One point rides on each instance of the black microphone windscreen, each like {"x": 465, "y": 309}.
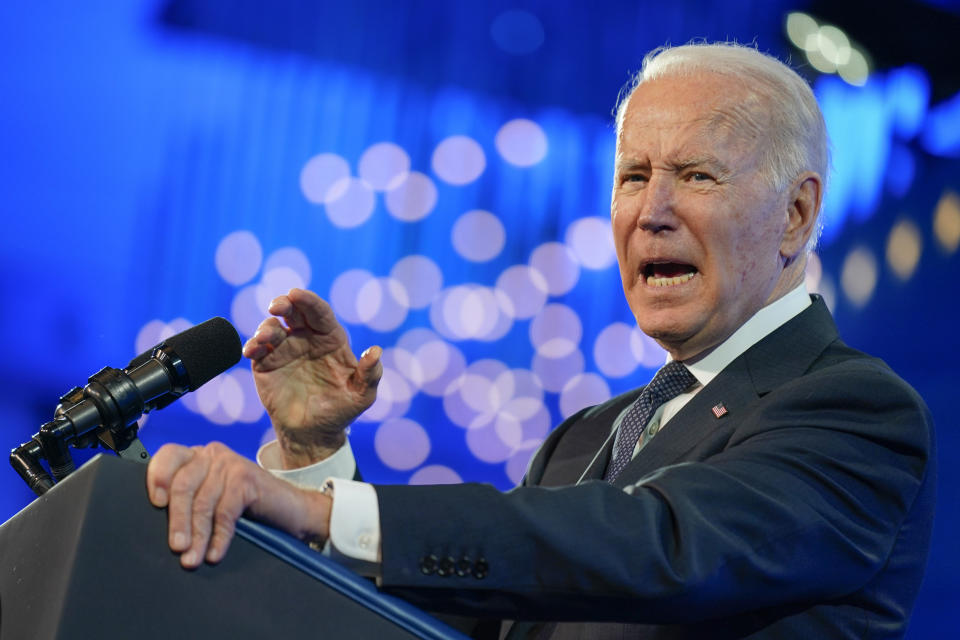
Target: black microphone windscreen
{"x": 207, "y": 350}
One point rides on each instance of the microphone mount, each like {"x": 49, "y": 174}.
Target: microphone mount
{"x": 103, "y": 413}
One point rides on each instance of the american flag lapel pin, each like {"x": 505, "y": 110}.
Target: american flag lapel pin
{"x": 719, "y": 410}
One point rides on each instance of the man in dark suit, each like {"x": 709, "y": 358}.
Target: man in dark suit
{"x": 769, "y": 482}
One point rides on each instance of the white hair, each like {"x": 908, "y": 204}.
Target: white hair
{"x": 796, "y": 132}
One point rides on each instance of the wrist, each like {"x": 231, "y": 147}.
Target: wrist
{"x": 316, "y": 529}
{"x": 298, "y": 448}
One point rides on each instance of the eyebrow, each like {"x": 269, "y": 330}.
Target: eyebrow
{"x": 700, "y": 161}
{"x": 706, "y": 160}
{"x": 631, "y": 165}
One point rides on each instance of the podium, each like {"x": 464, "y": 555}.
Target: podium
{"x": 89, "y": 559}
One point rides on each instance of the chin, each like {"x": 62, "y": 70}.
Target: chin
{"x": 665, "y": 333}
{"x": 668, "y": 326}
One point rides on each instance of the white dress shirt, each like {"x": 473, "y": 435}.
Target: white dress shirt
{"x": 355, "y": 515}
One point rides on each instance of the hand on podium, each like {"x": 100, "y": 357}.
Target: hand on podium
{"x": 206, "y": 490}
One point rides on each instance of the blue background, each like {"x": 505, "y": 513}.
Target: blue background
{"x": 137, "y": 136}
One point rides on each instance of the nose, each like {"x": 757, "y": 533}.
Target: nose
{"x": 657, "y": 213}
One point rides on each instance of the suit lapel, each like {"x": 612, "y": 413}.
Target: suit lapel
{"x": 576, "y": 449}
{"x": 598, "y": 465}
{"x": 694, "y": 422}
{"x": 780, "y": 357}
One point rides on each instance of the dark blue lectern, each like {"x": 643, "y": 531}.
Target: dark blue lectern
{"x": 89, "y": 559}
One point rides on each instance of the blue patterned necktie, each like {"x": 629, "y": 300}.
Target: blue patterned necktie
{"x": 672, "y": 380}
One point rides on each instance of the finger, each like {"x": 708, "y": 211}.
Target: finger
{"x": 310, "y": 311}
{"x": 268, "y": 336}
{"x": 183, "y": 488}
{"x": 205, "y": 503}
{"x": 369, "y": 367}
{"x": 162, "y": 468}
{"x": 280, "y": 306}
{"x": 292, "y": 314}
{"x": 229, "y": 509}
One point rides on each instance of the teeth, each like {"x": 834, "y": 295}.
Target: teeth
{"x": 653, "y": 281}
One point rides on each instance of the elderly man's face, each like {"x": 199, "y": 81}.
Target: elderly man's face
{"x": 698, "y": 230}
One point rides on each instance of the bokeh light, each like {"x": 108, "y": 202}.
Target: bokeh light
{"x": 946, "y": 222}
{"x": 556, "y": 331}
{"x": 246, "y": 314}
{"x": 904, "y": 246}
{"x": 151, "y": 334}
{"x": 468, "y": 312}
{"x": 420, "y": 276}
{"x": 554, "y": 373}
{"x": 393, "y": 398}
{"x": 516, "y": 466}
{"x": 858, "y": 277}
{"x": 558, "y": 265}
{"x": 478, "y": 236}
{"x": 458, "y": 160}
{"x": 813, "y": 272}
{"x": 646, "y": 350}
{"x": 382, "y": 304}
{"x": 583, "y": 391}
{"x": 238, "y": 257}
{"x": 292, "y": 258}
{"x": 434, "y": 362}
{"x": 471, "y": 400}
{"x": 228, "y": 399}
{"x": 411, "y": 197}
{"x": 800, "y": 29}
{"x": 856, "y": 70}
{"x": 525, "y": 288}
{"x": 435, "y": 474}
{"x": 343, "y": 294}
{"x": 612, "y": 350}
{"x": 320, "y": 173}
{"x": 591, "y": 240}
{"x": 521, "y": 142}
{"x": 401, "y": 444}
{"x": 350, "y": 202}
{"x": 828, "y": 49}
{"x": 382, "y": 163}
{"x": 276, "y": 282}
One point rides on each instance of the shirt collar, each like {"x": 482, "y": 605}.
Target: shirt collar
{"x": 759, "y": 326}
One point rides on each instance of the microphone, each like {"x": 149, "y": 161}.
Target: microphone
{"x": 206, "y": 350}
{"x": 114, "y": 399}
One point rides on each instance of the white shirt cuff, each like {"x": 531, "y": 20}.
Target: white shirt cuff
{"x": 341, "y": 464}
{"x": 355, "y": 511}
{"x": 355, "y": 525}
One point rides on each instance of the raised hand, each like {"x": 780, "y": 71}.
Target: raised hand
{"x": 308, "y": 379}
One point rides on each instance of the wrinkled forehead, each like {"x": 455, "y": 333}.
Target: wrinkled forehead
{"x": 700, "y": 110}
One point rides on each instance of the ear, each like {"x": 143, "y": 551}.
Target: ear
{"x": 803, "y": 207}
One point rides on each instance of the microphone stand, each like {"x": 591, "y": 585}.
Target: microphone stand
{"x": 109, "y": 393}
{"x": 105, "y": 412}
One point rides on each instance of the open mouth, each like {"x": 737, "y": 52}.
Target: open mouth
{"x": 667, "y": 274}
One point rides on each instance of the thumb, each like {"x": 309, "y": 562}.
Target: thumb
{"x": 369, "y": 367}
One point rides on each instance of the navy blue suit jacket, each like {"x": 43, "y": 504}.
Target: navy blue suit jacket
{"x": 804, "y": 511}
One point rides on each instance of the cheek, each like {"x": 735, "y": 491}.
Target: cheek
{"x": 734, "y": 259}
{"x": 755, "y": 258}
{"x": 621, "y": 229}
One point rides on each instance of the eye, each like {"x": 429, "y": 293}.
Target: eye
{"x": 699, "y": 176}
{"x": 634, "y": 177}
